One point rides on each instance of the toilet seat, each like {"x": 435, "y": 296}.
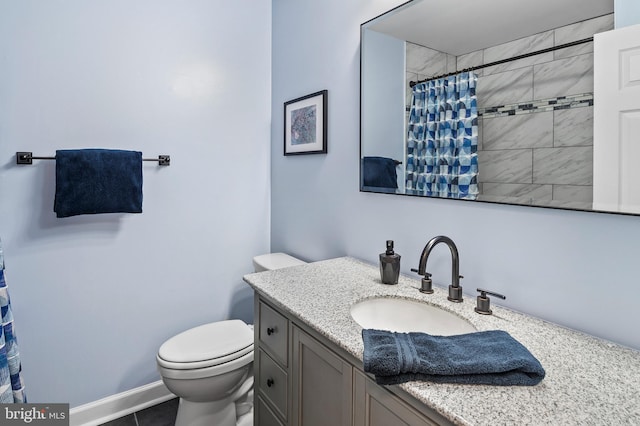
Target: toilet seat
{"x": 201, "y": 373}
{"x": 207, "y": 350}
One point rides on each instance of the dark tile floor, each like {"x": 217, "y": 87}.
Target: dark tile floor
{"x": 159, "y": 415}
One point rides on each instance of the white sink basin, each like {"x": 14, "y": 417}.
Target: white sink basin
{"x": 402, "y": 315}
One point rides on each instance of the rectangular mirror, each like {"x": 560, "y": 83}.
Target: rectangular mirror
{"x": 490, "y": 101}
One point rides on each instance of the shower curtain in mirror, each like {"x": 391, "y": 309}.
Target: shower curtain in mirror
{"x": 11, "y": 385}
{"x": 442, "y": 140}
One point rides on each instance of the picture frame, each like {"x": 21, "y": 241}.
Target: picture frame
{"x": 305, "y": 124}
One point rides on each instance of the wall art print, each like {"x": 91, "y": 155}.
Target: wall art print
{"x": 305, "y": 124}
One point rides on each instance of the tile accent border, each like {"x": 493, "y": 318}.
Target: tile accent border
{"x": 542, "y": 105}
{"x": 119, "y": 405}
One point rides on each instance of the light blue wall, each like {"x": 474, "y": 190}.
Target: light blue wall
{"x": 627, "y": 12}
{"x": 95, "y": 296}
{"x": 574, "y": 268}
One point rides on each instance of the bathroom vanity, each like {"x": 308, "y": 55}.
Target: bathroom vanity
{"x": 308, "y": 360}
{"x": 302, "y": 379}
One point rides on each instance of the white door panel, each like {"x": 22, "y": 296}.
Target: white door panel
{"x": 616, "y": 144}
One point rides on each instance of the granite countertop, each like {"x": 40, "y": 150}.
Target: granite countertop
{"x": 589, "y": 381}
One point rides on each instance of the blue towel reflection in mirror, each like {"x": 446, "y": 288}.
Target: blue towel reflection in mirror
{"x": 92, "y": 181}
{"x": 380, "y": 172}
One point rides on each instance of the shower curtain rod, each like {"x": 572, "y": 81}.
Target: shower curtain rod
{"x": 504, "y": 61}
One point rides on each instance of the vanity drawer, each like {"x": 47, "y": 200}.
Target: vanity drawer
{"x": 266, "y": 417}
{"x": 274, "y": 333}
{"x": 272, "y": 383}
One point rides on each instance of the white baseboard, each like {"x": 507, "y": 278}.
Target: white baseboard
{"x": 119, "y": 405}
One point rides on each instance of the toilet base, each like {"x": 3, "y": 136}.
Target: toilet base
{"x": 220, "y": 413}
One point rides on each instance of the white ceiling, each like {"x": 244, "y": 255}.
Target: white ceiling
{"x": 463, "y": 26}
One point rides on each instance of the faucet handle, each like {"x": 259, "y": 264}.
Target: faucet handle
{"x": 426, "y": 274}
{"x": 484, "y": 303}
{"x": 427, "y": 284}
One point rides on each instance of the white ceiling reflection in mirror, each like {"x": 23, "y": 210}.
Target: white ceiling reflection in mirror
{"x": 470, "y": 26}
{"x": 534, "y": 116}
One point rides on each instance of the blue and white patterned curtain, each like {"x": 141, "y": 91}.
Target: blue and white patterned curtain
{"x": 442, "y": 142}
{"x": 11, "y": 385}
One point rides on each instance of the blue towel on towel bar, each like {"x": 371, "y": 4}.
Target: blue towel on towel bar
{"x": 91, "y": 181}
{"x": 379, "y": 172}
{"x": 485, "y": 358}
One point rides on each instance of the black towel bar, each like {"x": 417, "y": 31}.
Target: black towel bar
{"x": 28, "y": 157}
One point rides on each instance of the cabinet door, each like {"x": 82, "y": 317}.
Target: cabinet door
{"x": 374, "y": 406}
{"x": 322, "y": 384}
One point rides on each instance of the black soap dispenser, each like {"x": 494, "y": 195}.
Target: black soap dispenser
{"x": 389, "y": 265}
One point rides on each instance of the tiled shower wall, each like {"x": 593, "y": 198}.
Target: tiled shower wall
{"x": 536, "y": 127}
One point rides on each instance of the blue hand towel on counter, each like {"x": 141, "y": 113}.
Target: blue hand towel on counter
{"x": 91, "y": 181}
{"x": 485, "y": 358}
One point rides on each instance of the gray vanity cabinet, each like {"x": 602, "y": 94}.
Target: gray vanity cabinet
{"x": 303, "y": 380}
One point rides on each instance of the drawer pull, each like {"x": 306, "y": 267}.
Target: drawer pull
{"x": 270, "y": 382}
{"x": 270, "y": 331}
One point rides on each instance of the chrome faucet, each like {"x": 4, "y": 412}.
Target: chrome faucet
{"x": 455, "y": 290}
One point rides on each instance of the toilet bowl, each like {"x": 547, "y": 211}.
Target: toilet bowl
{"x": 210, "y": 367}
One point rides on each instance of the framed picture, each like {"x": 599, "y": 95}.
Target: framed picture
{"x": 305, "y": 125}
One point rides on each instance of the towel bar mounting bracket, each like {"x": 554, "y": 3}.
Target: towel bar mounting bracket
{"x": 24, "y": 158}
{"x": 27, "y": 158}
{"x": 164, "y": 160}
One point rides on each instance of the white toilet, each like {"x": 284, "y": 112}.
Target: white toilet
{"x": 210, "y": 367}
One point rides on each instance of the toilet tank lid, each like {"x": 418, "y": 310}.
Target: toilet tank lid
{"x": 208, "y": 341}
{"x": 272, "y": 261}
